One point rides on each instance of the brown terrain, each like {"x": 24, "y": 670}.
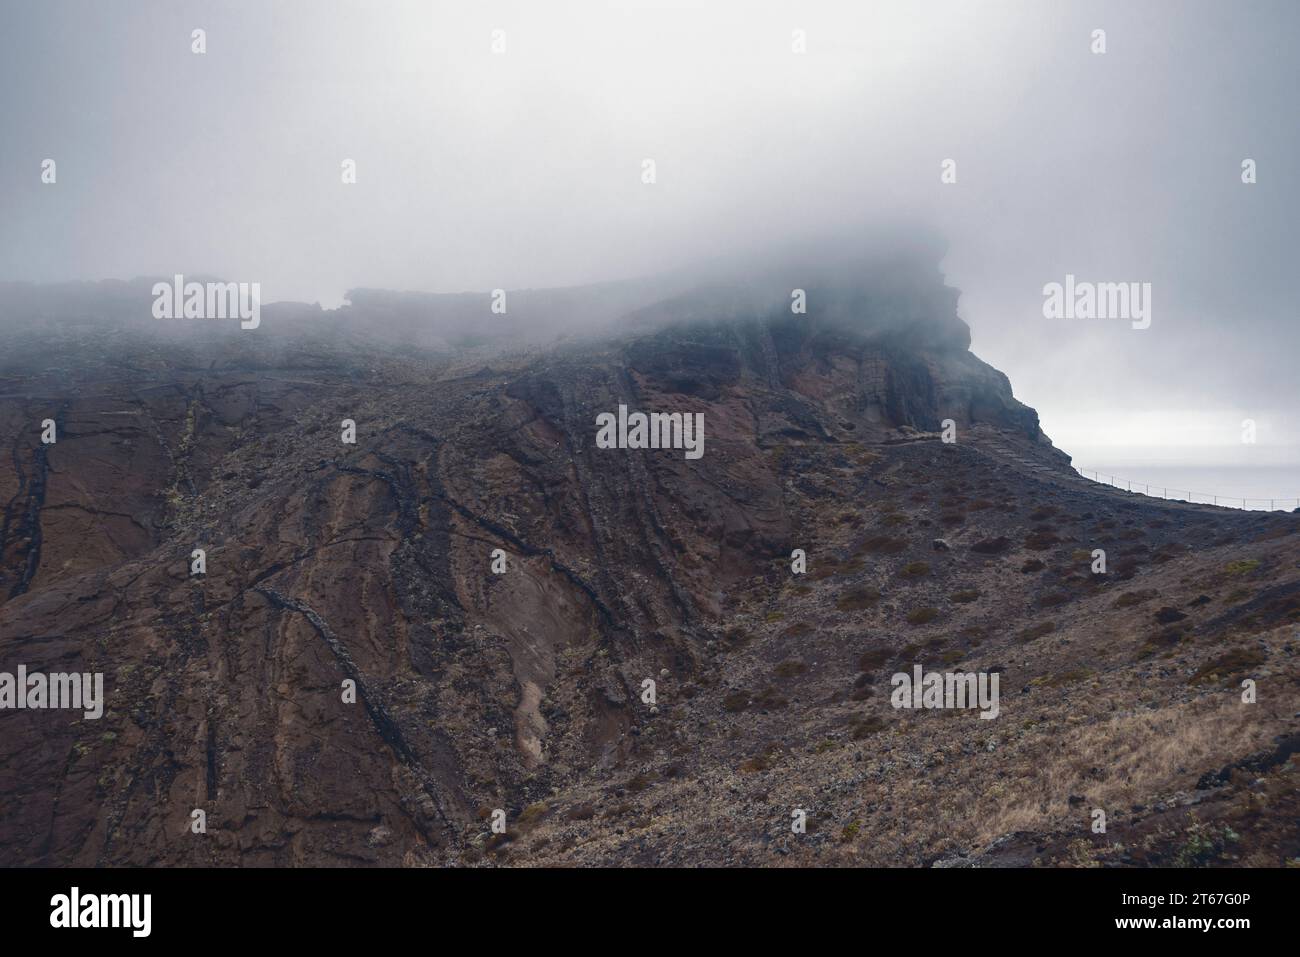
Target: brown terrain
{"x": 522, "y": 691}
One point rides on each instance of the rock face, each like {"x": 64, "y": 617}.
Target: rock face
{"x": 496, "y": 589}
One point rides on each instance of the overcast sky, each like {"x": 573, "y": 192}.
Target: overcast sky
{"x": 478, "y": 169}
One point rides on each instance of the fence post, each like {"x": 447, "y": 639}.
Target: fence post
{"x": 1164, "y": 492}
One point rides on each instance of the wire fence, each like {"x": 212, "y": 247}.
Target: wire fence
{"x": 1187, "y": 495}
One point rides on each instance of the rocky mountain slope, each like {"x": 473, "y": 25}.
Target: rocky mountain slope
{"x": 524, "y": 690}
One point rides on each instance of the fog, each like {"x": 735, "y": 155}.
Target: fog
{"x": 478, "y": 169}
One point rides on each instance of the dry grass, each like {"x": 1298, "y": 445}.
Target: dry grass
{"x": 1025, "y": 785}
{"x": 1138, "y": 754}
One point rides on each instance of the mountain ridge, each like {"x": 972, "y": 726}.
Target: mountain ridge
{"x": 523, "y": 690}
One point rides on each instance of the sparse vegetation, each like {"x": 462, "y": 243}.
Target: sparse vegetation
{"x": 871, "y": 660}
{"x": 736, "y": 701}
{"x": 1131, "y": 598}
{"x": 991, "y": 546}
{"x": 1041, "y": 539}
{"x": 1164, "y": 641}
{"x": 883, "y": 545}
{"x": 1035, "y": 632}
{"x": 532, "y": 815}
{"x": 1204, "y": 843}
{"x": 764, "y": 760}
{"x": 791, "y": 669}
{"x": 858, "y": 598}
{"x": 734, "y": 638}
{"x": 1069, "y": 677}
{"x": 1228, "y": 666}
{"x": 863, "y": 726}
{"x": 1167, "y": 616}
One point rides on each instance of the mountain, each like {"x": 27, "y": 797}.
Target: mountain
{"x": 524, "y": 690}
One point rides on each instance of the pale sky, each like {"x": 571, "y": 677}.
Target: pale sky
{"x": 478, "y": 169}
